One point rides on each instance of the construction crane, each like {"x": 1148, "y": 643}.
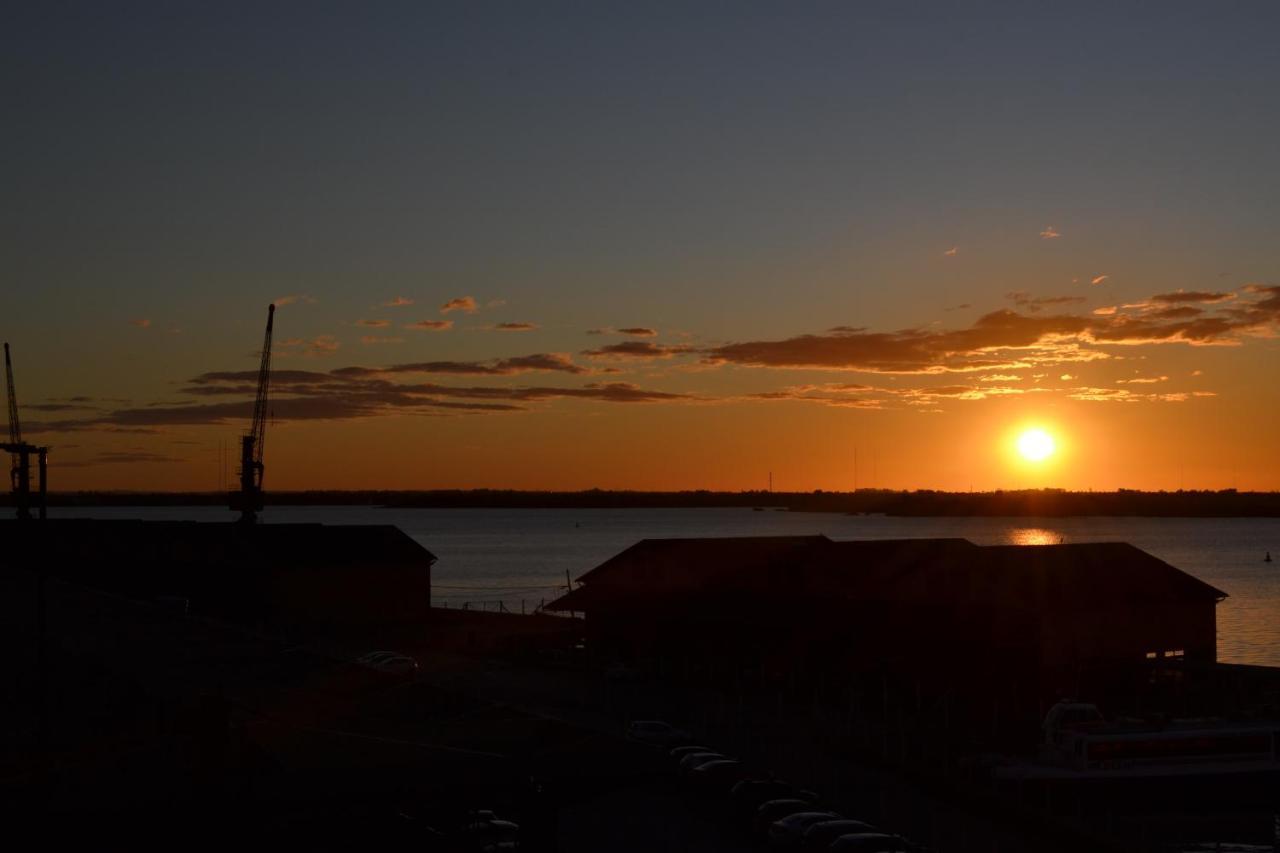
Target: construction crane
{"x": 20, "y": 453}
{"x": 248, "y": 500}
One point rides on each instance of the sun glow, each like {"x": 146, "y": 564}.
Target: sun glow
{"x": 1035, "y": 445}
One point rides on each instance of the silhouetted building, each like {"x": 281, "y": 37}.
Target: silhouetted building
{"x": 804, "y": 608}
{"x": 308, "y": 578}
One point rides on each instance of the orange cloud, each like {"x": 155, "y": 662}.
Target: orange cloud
{"x": 466, "y": 304}
{"x": 1099, "y": 279}
{"x": 1049, "y": 233}
{"x": 398, "y": 302}
{"x": 431, "y": 325}
{"x": 374, "y": 324}
{"x": 515, "y": 327}
{"x": 638, "y": 350}
{"x": 141, "y": 323}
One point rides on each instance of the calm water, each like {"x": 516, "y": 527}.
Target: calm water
{"x": 520, "y": 557}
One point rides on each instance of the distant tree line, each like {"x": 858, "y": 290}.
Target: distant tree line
{"x": 1031, "y": 502}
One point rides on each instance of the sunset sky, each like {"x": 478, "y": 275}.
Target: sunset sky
{"x": 644, "y": 245}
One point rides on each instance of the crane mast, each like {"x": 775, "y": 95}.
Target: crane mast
{"x": 20, "y": 452}
{"x": 249, "y": 499}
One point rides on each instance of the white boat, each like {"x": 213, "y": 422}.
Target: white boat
{"x": 1080, "y": 744}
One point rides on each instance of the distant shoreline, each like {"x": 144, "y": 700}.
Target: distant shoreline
{"x": 925, "y": 503}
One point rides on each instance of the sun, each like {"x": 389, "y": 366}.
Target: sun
{"x": 1035, "y": 445}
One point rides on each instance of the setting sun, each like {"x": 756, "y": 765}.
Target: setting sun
{"x": 1035, "y": 445}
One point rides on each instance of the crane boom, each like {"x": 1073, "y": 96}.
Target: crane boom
{"x": 259, "y": 428}
{"x": 249, "y": 498}
{"x": 15, "y": 428}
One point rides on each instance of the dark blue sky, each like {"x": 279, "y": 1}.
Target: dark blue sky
{"x": 724, "y": 170}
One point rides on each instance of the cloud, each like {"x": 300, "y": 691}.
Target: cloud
{"x": 466, "y": 304}
{"x": 515, "y": 327}
{"x": 1106, "y": 311}
{"x": 548, "y": 362}
{"x": 1038, "y": 303}
{"x": 58, "y": 407}
{"x": 1200, "y": 296}
{"x": 141, "y": 323}
{"x": 1143, "y": 380}
{"x": 909, "y": 351}
{"x": 369, "y": 340}
{"x": 431, "y": 325}
{"x": 282, "y": 301}
{"x": 1099, "y": 279}
{"x": 1000, "y": 377}
{"x": 398, "y": 302}
{"x": 374, "y": 324}
{"x": 1006, "y": 339}
{"x": 604, "y": 330}
{"x": 1124, "y": 395}
{"x": 1049, "y": 233}
{"x": 320, "y": 345}
{"x": 952, "y": 252}
{"x": 638, "y": 350}
{"x": 638, "y": 331}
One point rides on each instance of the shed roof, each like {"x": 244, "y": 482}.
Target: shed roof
{"x": 925, "y": 571}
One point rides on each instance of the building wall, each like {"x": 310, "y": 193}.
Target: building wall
{"x": 1131, "y": 634}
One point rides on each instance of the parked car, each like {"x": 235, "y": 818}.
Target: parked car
{"x": 485, "y": 832}
{"x": 818, "y": 836}
{"x": 693, "y": 759}
{"x": 748, "y": 794}
{"x": 772, "y": 810}
{"x": 396, "y": 665}
{"x": 372, "y": 657}
{"x": 392, "y": 663}
{"x": 787, "y": 833}
{"x": 657, "y": 732}
{"x": 717, "y": 776}
{"x": 679, "y": 752}
{"x": 869, "y": 842}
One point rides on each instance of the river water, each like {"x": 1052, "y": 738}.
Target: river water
{"x": 516, "y": 558}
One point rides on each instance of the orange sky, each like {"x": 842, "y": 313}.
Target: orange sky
{"x": 648, "y": 247}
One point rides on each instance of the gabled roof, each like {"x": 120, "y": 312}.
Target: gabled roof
{"x": 923, "y": 571}
{"x": 177, "y": 543}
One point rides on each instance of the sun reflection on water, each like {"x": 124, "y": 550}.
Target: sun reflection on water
{"x": 1034, "y": 536}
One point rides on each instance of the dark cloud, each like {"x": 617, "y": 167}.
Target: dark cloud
{"x": 638, "y": 350}
{"x": 1008, "y": 339}
{"x": 1025, "y": 300}
{"x": 638, "y": 331}
{"x": 431, "y": 325}
{"x": 550, "y": 362}
{"x": 1205, "y": 297}
{"x": 515, "y": 327}
{"x": 58, "y": 407}
{"x": 374, "y": 324}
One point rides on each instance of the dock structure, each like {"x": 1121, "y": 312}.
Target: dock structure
{"x": 805, "y": 609}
